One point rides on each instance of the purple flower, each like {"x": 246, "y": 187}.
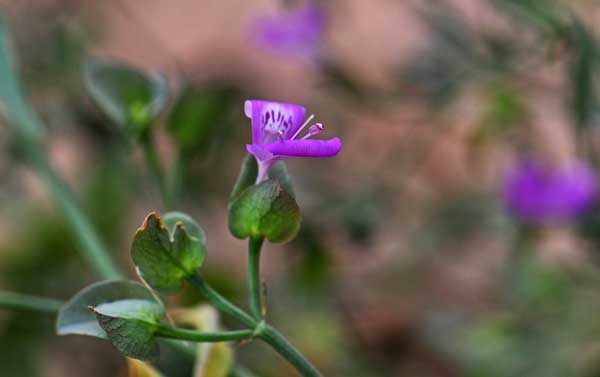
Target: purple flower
{"x": 540, "y": 193}
{"x": 276, "y": 129}
{"x": 296, "y": 32}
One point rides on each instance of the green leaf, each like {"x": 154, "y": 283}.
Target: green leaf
{"x": 165, "y": 257}
{"x": 129, "y": 97}
{"x": 247, "y": 177}
{"x": 170, "y": 219}
{"x": 130, "y": 326}
{"x": 197, "y": 113}
{"x": 75, "y": 317}
{"x": 264, "y": 210}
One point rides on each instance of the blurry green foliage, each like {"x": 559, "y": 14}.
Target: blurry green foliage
{"x": 197, "y": 113}
{"x": 131, "y": 98}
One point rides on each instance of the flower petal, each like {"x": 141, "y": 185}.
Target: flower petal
{"x": 294, "y": 33}
{"x": 273, "y": 121}
{"x": 304, "y": 148}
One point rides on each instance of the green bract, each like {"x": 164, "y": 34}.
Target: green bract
{"x": 130, "y": 326}
{"x": 165, "y": 257}
{"x": 247, "y": 177}
{"x": 264, "y": 211}
{"x": 75, "y": 317}
{"x": 267, "y": 210}
{"x": 129, "y": 97}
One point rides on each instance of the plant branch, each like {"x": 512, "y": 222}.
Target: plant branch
{"x": 254, "y": 295}
{"x": 221, "y": 302}
{"x": 18, "y": 301}
{"x": 155, "y": 166}
{"x": 288, "y": 351}
{"x": 165, "y": 331}
{"x": 91, "y": 247}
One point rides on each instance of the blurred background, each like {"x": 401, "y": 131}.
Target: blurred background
{"x": 411, "y": 261}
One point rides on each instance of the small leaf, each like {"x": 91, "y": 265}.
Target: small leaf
{"x": 137, "y": 368}
{"x": 129, "y": 97}
{"x": 196, "y": 115}
{"x": 264, "y": 210}
{"x": 213, "y": 359}
{"x": 170, "y": 219}
{"x": 130, "y": 326}
{"x": 247, "y": 177}
{"x": 165, "y": 259}
{"x": 75, "y": 316}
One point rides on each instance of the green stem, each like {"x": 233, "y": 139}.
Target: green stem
{"x": 254, "y": 289}
{"x": 165, "y": 331}
{"x": 18, "y": 301}
{"x": 288, "y": 351}
{"x": 155, "y": 166}
{"x": 260, "y": 329}
{"x": 221, "y": 302}
{"x": 90, "y": 245}
{"x": 179, "y": 174}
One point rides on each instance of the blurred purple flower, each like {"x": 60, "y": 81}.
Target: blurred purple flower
{"x": 296, "y": 32}
{"x": 276, "y": 129}
{"x": 536, "y": 192}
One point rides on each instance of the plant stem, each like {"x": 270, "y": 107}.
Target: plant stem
{"x": 165, "y": 331}
{"x": 221, "y": 302}
{"x": 90, "y": 245}
{"x": 288, "y": 351}
{"x": 17, "y": 301}
{"x": 260, "y": 329}
{"x": 179, "y": 174}
{"x": 155, "y": 167}
{"x": 254, "y": 288}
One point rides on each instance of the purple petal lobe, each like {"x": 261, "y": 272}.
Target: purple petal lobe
{"x": 305, "y": 148}
{"x": 273, "y": 121}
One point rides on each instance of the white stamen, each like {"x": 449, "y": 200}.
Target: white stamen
{"x": 302, "y": 126}
{"x": 316, "y": 128}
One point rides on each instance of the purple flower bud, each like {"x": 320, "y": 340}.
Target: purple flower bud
{"x": 275, "y": 130}
{"x": 297, "y": 32}
{"x": 539, "y": 193}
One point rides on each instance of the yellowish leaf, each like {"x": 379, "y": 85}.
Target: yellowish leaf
{"x": 137, "y": 368}
{"x": 212, "y": 359}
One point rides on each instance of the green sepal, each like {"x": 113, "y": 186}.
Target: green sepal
{"x": 249, "y": 172}
{"x": 280, "y": 173}
{"x": 75, "y": 317}
{"x": 266, "y": 211}
{"x": 165, "y": 257}
{"x": 130, "y": 326}
{"x": 246, "y": 178}
{"x": 130, "y": 98}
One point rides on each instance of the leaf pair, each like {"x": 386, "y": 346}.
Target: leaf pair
{"x": 124, "y": 312}
{"x": 128, "y": 314}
